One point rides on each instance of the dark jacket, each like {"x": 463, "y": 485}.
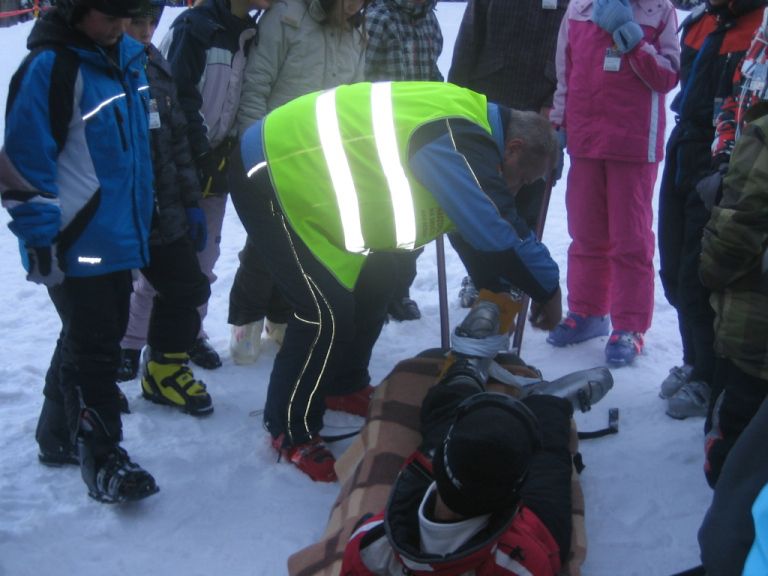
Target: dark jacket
{"x": 176, "y": 183}
{"x": 506, "y": 50}
{"x": 76, "y": 168}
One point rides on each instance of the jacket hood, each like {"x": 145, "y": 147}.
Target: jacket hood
{"x": 401, "y": 523}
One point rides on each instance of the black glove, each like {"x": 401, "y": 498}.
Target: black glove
{"x": 43, "y": 266}
{"x": 710, "y": 188}
{"x": 212, "y": 172}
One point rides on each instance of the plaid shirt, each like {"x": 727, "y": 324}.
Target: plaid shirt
{"x": 404, "y": 41}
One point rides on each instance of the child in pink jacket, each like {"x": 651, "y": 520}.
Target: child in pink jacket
{"x": 616, "y": 60}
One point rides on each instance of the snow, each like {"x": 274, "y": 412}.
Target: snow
{"x": 227, "y": 507}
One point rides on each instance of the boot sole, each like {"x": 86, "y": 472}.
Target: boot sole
{"x": 186, "y": 409}
{"x": 131, "y": 498}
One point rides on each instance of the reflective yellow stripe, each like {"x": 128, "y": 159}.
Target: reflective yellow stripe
{"x": 389, "y": 156}
{"x": 340, "y": 172}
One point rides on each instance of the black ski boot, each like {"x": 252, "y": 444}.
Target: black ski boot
{"x": 129, "y": 364}
{"x": 203, "y": 355}
{"x": 481, "y": 322}
{"x": 106, "y": 468}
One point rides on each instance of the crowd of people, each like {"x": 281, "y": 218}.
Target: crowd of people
{"x": 344, "y": 153}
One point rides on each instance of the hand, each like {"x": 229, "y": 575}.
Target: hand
{"x": 547, "y": 315}
{"x": 212, "y": 172}
{"x": 627, "y": 36}
{"x": 43, "y": 266}
{"x": 198, "y": 228}
{"x": 710, "y": 188}
{"x": 610, "y": 15}
{"x": 562, "y": 141}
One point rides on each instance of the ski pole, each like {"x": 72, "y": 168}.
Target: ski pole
{"x": 442, "y": 292}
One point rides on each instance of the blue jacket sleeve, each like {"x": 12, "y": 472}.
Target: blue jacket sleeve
{"x": 459, "y": 163}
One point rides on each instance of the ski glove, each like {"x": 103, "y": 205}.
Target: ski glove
{"x": 611, "y": 15}
{"x": 710, "y": 188}
{"x": 43, "y": 266}
{"x": 627, "y": 36}
{"x": 547, "y": 315}
{"x": 198, "y": 229}
{"x": 212, "y": 173}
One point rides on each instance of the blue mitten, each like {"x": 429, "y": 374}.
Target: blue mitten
{"x": 43, "y": 266}
{"x": 198, "y": 229}
{"x": 610, "y": 15}
{"x": 627, "y": 36}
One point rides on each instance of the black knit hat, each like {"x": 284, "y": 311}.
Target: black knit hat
{"x": 73, "y": 10}
{"x": 481, "y": 465}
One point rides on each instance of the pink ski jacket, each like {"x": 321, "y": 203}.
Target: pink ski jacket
{"x": 615, "y": 115}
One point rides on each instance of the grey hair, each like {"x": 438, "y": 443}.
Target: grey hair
{"x": 536, "y": 132}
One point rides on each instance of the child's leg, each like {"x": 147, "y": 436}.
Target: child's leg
{"x": 630, "y": 214}
{"x": 214, "y": 208}
{"x": 588, "y": 265}
{"x": 138, "y": 321}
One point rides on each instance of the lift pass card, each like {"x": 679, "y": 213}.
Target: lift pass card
{"x": 549, "y": 4}
{"x": 612, "y": 62}
{"x": 154, "y": 115}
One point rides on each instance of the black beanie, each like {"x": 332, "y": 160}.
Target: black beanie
{"x": 480, "y": 466}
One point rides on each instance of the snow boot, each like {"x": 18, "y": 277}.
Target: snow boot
{"x": 167, "y": 379}
{"x": 583, "y": 388}
{"x": 203, "y": 354}
{"x": 691, "y": 401}
{"x": 623, "y": 347}
{"x": 313, "y": 458}
{"x": 276, "y": 331}
{"x": 129, "y": 364}
{"x": 106, "y": 468}
{"x": 678, "y": 376}
{"x": 468, "y": 293}
{"x": 245, "y": 342}
{"x": 575, "y": 328}
{"x": 404, "y": 309}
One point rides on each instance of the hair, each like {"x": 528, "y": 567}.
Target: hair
{"x": 536, "y": 132}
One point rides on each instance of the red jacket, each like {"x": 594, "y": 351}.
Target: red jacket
{"x": 515, "y": 542}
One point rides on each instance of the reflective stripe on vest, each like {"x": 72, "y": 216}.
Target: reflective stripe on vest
{"x": 338, "y": 162}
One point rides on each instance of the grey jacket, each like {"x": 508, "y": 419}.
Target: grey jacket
{"x": 298, "y": 52}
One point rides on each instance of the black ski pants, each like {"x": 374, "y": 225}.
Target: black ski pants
{"x": 94, "y": 315}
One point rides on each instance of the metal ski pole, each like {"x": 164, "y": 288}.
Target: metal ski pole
{"x": 517, "y": 335}
{"x": 442, "y": 292}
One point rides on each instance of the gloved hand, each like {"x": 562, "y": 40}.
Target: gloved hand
{"x": 611, "y": 15}
{"x": 212, "y": 172}
{"x": 627, "y": 36}
{"x": 710, "y": 188}
{"x": 43, "y": 266}
{"x": 562, "y": 141}
{"x": 198, "y": 228}
{"x": 547, "y": 315}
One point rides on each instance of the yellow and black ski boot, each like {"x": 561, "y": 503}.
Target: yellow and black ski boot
{"x": 167, "y": 379}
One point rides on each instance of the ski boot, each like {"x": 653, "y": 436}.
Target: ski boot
{"x": 129, "y": 364}
{"x": 582, "y": 388}
{"x": 106, "y": 468}
{"x": 203, "y": 354}
{"x": 468, "y": 293}
{"x": 167, "y": 379}
{"x": 469, "y": 345}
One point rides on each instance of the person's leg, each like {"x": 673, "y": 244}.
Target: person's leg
{"x": 547, "y": 491}
{"x": 53, "y": 434}
{"x": 630, "y": 215}
{"x": 214, "y": 208}
{"x": 251, "y": 288}
{"x": 138, "y": 320}
{"x": 589, "y": 274}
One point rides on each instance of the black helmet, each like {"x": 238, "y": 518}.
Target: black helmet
{"x": 73, "y": 10}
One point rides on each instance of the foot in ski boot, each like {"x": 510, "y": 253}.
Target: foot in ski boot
{"x": 106, "y": 468}
{"x": 276, "y": 331}
{"x": 167, "y": 379}
{"x": 481, "y": 322}
{"x": 623, "y": 347}
{"x": 125, "y": 408}
{"x": 355, "y": 403}
{"x": 691, "y": 401}
{"x": 468, "y": 293}
{"x": 313, "y": 458}
{"x": 203, "y": 354}
{"x": 245, "y": 342}
{"x": 583, "y": 389}
{"x": 402, "y": 309}
{"x": 129, "y": 364}
{"x": 575, "y": 328}
{"x": 54, "y": 437}
{"x": 678, "y": 376}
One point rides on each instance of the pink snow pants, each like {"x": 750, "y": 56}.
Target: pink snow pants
{"x": 610, "y": 259}
{"x": 135, "y": 337}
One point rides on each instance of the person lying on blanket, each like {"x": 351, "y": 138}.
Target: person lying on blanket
{"x": 487, "y": 492}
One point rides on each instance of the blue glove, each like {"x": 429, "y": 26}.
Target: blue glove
{"x": 43, "y": 266}
{"x": 627, "y": 36}
{"x": 35, "y": 223}
{"x": 198, "y": 229}
{"x": 610, "y": 15}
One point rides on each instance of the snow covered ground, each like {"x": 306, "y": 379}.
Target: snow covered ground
{"x": 226, "y": 506}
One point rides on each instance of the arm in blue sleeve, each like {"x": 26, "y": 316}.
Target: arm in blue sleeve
{"x": 460, "y": 166}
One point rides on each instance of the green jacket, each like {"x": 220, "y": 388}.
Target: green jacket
{"x": 732, "y": 247}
